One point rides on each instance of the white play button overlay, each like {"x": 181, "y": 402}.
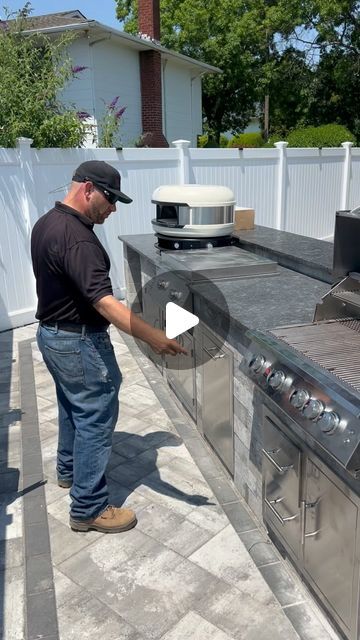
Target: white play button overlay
{"x": 177, "y": 320}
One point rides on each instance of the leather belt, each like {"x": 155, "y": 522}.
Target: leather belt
{"x": 74, "y": 327}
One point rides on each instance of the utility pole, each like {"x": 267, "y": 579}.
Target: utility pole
{"x": 267, "y": 97}
{"x": 266, "y": 117}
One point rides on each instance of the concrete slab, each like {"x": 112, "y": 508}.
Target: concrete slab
{"x": 194, "y": 627}
{"x": 12, "y": 604}
{"x": 150, "y": 586}
{"x": 172, "y": 529}
{"x": 247, "y": 616}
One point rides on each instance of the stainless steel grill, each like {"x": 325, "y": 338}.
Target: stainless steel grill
{"x": 310, "y": 377}
{"x": 349, "y": 296}
{"x": 334, "y": 346}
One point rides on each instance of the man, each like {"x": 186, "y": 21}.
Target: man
{"x": 75, "y": 307}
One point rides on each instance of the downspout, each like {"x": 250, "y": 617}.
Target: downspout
{"x": 92, "y": 64}
{"x": 198, "y": 75}
{"x": 91, "y": 55}
{"x": 164, "y": 117}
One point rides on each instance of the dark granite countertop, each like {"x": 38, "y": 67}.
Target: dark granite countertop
{"x": 144, "y": 244}
{"x": 265, "y": 302}
{"x": 261, "y": 302}
{"x": 309, "y": 256}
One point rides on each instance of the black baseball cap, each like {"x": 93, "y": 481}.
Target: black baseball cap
{"x": 103, "y": 175}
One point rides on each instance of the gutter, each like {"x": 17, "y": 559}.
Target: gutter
{"x": 140, "y": 44}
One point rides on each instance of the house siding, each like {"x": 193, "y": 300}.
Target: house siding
{"x": 113, "y": 70}
{"x": 117, "y": 73}
{"x": 79, "y": 92}
{"x": 181, "y": 100}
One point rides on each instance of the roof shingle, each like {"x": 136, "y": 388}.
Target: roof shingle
{"x": 56, "y": 19}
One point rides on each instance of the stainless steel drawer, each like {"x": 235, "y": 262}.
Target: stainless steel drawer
{"x": 281, "y": 485}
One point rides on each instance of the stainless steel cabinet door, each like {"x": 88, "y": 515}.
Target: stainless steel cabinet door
{"x": 217, "y": 400}
{"x": 281, "y": 485}
{"x": 330, "y": 541}
{"x": 153, "y": 314}
{"x": 181, "y": 373}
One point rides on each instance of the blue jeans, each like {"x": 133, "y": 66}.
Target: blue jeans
{"x": 87, "y": 380}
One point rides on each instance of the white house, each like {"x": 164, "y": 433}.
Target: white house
{"x": 161, "y": 89}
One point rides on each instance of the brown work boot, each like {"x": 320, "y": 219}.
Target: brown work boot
{"x": 112, "y": 520}
{"x": 64, "y": 484}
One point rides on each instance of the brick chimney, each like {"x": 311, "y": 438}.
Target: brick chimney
{"x": 150, "y": 76}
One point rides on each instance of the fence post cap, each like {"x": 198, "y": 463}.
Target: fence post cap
{"x": 347, "y": 145}
{"x": 181, "y": 144}
{"x": 281, "y": 145}
{"x": 24, "y": 142}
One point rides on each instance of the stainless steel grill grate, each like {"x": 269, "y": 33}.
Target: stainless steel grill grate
{"x": 333, "y": 345}
{"x": 349, "y": 296}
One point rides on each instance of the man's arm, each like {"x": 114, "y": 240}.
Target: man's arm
{"x": 125, "y": 320}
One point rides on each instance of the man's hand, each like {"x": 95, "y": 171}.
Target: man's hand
{"x": 161, "y": 344}
{"x": 116, "y": 312}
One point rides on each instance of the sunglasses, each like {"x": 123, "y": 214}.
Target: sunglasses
{"x": 110, "y": 197}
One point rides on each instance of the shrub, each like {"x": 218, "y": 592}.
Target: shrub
{"x": 205, "y": 142}
{"x": 201, "y": 141}
{"x": 110, "y": 124}
{"x": 60, "y": 130}
{"x": 34, "y": 69}
{"x": 247, "y": 140}
{"x": 274, "y": 138}
{"x": 328, "y": 135}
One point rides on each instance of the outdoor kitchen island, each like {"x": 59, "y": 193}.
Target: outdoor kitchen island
{"x": 283, "y": 427}
{"x": 257, "y": 302}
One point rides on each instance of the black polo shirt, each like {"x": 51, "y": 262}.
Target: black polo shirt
{"x": 71, "y": 267}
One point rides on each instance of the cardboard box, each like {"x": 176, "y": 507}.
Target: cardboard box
{"x": 244, "y": 218}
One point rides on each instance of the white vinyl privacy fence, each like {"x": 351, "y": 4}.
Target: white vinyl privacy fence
{"x": 296, "y": 190}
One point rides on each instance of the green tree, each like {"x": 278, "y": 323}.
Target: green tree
{"x": 33, "y": 70}
{"x": 334, "y": 94}
{"x": 290, "y": 89}
{"x": 328, "y": 24}
{"x": 211, "y": 31}
{"x": 298, "y": 59}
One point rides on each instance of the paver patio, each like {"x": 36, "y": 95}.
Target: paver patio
{"x": 196, "y": 567}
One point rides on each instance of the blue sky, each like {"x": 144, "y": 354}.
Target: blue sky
{"x": 103, "y": 11}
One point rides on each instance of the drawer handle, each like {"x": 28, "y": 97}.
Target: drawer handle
{"x": 276, "y": 514}
{"x": 312, "y": 534}
{"x": 217, "y": 357}
{"x": 280, "y": 469}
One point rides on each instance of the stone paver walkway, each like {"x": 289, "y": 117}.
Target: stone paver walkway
{"x": 196, "y": 567}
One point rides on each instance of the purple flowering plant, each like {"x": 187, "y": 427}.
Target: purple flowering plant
{"x": 83, "y": 115}
{"x": 112, "y": 104}
{"x": 77, "y": 69}
{"x": 110, "y": 123}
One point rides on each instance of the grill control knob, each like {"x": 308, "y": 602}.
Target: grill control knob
{"x": 313, "y": 409}
{"x": 329, "y": 421}
{"x": 257, "y": 363}
{"x": 299, "y": 398}
{"x": 276, "y": 379}
{"x": 163, "y": 284}
{"x": 175, "y": 295}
